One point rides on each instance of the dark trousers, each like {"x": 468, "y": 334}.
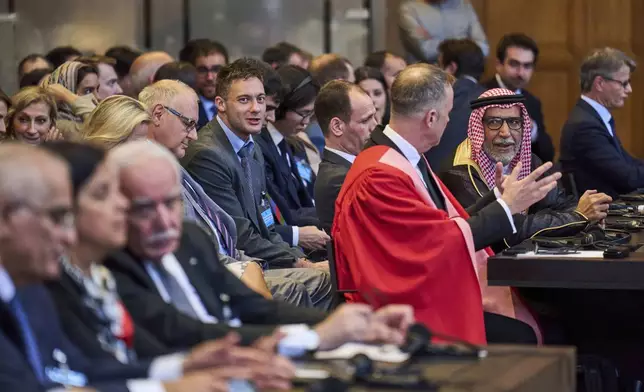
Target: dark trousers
{"x": 504, "y": 330}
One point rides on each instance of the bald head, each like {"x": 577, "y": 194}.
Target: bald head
{"x": 330, "y": 66}
{"x": 145, "y": 66}
{"x": 417, "y": 88}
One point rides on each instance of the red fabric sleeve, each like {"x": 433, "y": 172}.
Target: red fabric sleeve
{"x": 394, "y": 248}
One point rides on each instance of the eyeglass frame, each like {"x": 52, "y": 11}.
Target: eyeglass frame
{"x": 188, "y": 123}
{"x": 304, "y": 116}
{"x": 67, "y": 219}
{"x": 624, "y": 84}
{"x": 504, "y": 120}
{"x": 215, "y": 69}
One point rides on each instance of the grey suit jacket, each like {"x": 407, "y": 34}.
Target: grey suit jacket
{"x": 213, "y": 163}
{"x": 331, "y": 175}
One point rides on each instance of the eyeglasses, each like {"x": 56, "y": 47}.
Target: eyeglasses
{"x": 141, "y": 210}
{"x": 59, "y": 216}
{"x": 495, "y": 123}
{"x": 624, "y": 83}
{"x": 305, "y": 116}
{"x": 189, "y": 123}
{"x": 205, "y": 70}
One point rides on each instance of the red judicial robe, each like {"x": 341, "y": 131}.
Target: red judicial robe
{"x": 393, "y": 245}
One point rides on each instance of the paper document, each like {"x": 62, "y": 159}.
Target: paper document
{"x": 384, "y": 353}
{"x": 585, "y": 254}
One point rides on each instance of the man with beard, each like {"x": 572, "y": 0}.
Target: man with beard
{"x": 517, "y": 56}
{"x": 499, "y": 132}
{"x": 347, "y": 116}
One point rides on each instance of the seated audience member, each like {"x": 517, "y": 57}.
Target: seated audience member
{"x": 499, "y": 132}
{"x": 175, "y": 131}
{"x": 388, "y": 63}
{"x": 144, "y": 68}
{"x": 324, "y": 69}
{"x": 85, "y": 294}
{"x": 208, "y": 57}
{"x": 32, "y": 116}
{"x": 463, "y": 59}
{"x": 74, "y": 86}
{"x": 5, "y": 104}
{"x": 347, "y": 117}
{"x": 590, "y": 147}
{"x": 37, "y": 230}
{"x": 291, "y": 203}
{"x": 31, "y": 63}
{"x": 124, "y": 57}
{"x": 34, "y": 78}
{"x": 108, "y": 80}
{"x": 62, "y": 54}
{"x": 373, "y": 83}
{"x": 116, "y": 120}
{"x": 284, "y": 53}
{"x": 173, "y": 286}
{"x": 398, "y": 230}
{"x": 230, "y": 168}
{"x": 516, "y": 59}
{"x": 178, "y": 70}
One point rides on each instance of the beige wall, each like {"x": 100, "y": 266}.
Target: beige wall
{"x": 565, "y": 30}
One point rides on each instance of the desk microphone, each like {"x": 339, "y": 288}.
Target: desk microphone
{"x": 419, "y": 343}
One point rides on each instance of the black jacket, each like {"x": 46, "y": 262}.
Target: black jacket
{"x": 488, "y": 220}
{"x": 595, "y": 158}
{"x": 197, "y": 254}
{"x": 542, "y": 147}
{"x": 554, "y": 215}
{"x": 81, "y": 325}
{"x": 333, "y": 170}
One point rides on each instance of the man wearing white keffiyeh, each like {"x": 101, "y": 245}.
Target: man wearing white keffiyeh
{"x": 499, "y": 131}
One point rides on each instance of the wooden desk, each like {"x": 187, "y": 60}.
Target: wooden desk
{"x": 508, "y": 368}
{"x": 570, "y": 272}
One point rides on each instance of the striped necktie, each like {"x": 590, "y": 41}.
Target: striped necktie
{"x": 28, "y": 338}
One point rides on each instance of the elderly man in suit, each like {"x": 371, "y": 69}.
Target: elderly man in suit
{"x": 347, "y": 116}
{"x": 168, "y": 281}
{"x": 516, "y": 58}
{"x": 590, "y": 147}
{"x": 230, "y": 168}
{"x": 173, "y": 107}
{"x": 37, "y": 229}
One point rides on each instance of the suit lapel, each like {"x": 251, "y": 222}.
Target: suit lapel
{"x": 585, "y": 106}
{"x": 331, "y": 157}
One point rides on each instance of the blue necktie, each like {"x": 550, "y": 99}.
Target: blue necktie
{"x": 244, "y": 155}
{"x": 28, "y": 338}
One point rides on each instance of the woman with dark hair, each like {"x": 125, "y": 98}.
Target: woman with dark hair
{"x": 373, "y": 83}
{"x": 178, "y": 70}
{"x": 86, "y": 295}
{"x": 74, "y": 86}
{"x": 5, "y": 104}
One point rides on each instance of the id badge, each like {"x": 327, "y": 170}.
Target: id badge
{"x": 306, "y": 173}
{"x": 66, "y": 377}
{"x": 267, "y": 217}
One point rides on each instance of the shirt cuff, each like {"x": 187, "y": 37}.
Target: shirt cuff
{"x": 296, "y": 235}
{"x": 167, "y": 367}
{"x": 298, "y": 341}
{"x": 145, "y": 386}
{"x": 508, "y": 213}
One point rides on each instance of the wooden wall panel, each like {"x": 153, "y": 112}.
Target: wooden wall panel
{"x": 566, "y": 31}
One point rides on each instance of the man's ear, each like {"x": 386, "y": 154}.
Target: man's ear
{"x": 220, "y": 103}
{"x": 431, "y": 116}
{"x": 498, "y": 65}
{"x": 5, "y": 218}
{"x": 157, "y": 112}
{"x": 452, "y": 68}
{"x": 336, "y": 127}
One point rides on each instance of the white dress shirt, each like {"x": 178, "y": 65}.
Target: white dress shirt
{"x": 602, "y": 111}
{"x": 534, "y": 132}
{"x": 207, "y": 107}
{"x": 345, "y": 155}
{"x": 413, "y": 156}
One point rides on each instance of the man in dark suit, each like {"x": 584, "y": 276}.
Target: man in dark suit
{"x": 517, "y": 56}
{"x": 208, "y": 57}
{"x": 172, "y": 284}
{"x": 347, "y": 116}
{"x": 230, "y": 168}
{"x": 590, "y": 147}
{"x": 37, "y": 229}
{"x": 464, "y": 59}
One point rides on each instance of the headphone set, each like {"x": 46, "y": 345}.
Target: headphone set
{"x": 594, "y": 237}
{"x": 281, "y": 110}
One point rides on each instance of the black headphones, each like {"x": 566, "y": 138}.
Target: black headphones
{"x": 281, "y": 110}
{"x": 595, "y": 236}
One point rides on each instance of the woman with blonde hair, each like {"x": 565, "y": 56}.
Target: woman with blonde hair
{"x": 32, "y": 116}
{"x": 115, "y": 120}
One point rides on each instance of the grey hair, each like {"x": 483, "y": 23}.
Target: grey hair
{"x": 603, "y": 62}
{"x": 137, "y": 151}
{"x": 164, "y": 91}
{"x": 21, "y": 172}
{"x": 418, "y": 88}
